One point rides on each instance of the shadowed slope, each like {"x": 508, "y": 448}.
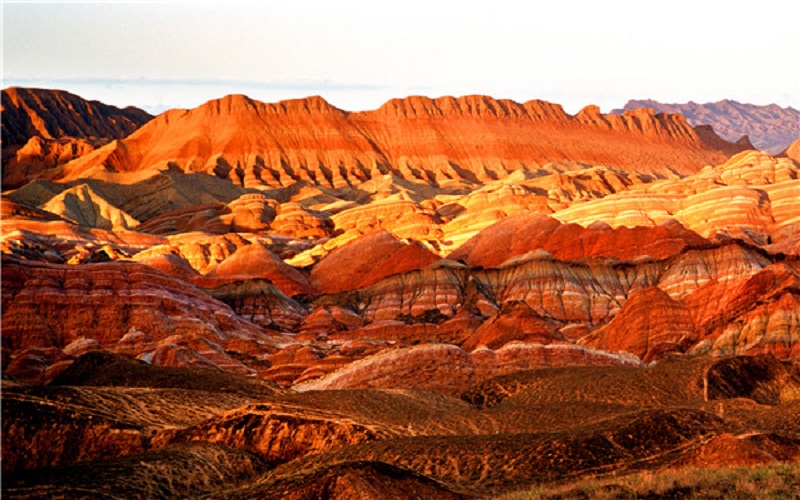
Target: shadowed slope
{"x": 489, "y": 464}
{"x": 367, "y": 480}
{"x": 45, "y": 128}
{"x": 51, "y": 114}
{"x": 102, "y": 368}
{"x": 529, "y": 428}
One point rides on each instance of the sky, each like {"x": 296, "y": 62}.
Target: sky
{"x": 359, "y": 54}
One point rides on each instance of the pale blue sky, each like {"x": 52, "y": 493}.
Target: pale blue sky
{"x": 358, "y": 54}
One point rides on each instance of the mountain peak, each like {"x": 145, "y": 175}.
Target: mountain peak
{"x": 472, "y": 138}
{"x": 238, "y": 103}
{"x": 770, "y": 128}
{"x": 52, "y": 114}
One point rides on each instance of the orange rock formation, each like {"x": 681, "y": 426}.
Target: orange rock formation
{"x": 472, "y": 138}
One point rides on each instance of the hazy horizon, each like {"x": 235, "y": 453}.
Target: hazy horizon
{"x": 155, "y": 109}
{"x": 356, "y": 55}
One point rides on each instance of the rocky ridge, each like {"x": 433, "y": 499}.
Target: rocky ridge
{"x": 770, "y": 128}
{"x": 44, "y": 128}
{"x": 253, "y": 144}
{"x": 439, "y": 297}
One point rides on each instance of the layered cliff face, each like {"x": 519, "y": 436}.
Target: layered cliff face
{"x": 459, "y": 297}
{"x": 533, "y": 297}
{"x": 770, "y": 128}
{"x": 52, "y": 313}
{"x": 43, "y": 129}
{"x": 717, "y": 299}
{"x": 53, "y": 114}
{"x": 749, "y": 197}
{"x": 438, "y": 141}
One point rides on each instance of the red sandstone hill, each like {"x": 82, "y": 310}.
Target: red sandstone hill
{"x": 440, "y": 141}
{"x": 43, "y": 128}
{"x": 53, "y": 114}
{"x": 313, "y": 257}
{"x": 793, "y": 151}
{"x": 367, "y": 260}
{"x": 770, "y": 128}
{"x": 256, "y": 261}
{"x": 527, "y": 232}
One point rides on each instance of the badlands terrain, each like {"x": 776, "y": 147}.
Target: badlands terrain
{"x": 441, "y": 298}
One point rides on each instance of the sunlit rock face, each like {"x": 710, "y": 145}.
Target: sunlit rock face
{"x": 470, "y": 221}
{"x": 749, "y": 197}
{"x": 118, "y": 306}
{"x": 440, "y": 298}
{"x": 472, "y": 138}
{"x": 649, "y": 324}
{"x": 43, "y": 129}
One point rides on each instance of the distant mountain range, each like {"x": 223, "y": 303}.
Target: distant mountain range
{"x": 770, "y": 128}
{"x": 470, "y": 138}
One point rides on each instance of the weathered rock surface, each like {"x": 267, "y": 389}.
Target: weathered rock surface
{"x": 793, "y": 151}
{"x": 26, "y": 161}
{"x": 261, "y": 302}
{"x": 490, "y": 462}
{"x": 650, "y": 324}
{"x": 582, "y": 278}
{"x": 183, "y": 471}
{"x": 359, "y": 479}
{"x": 125, "y": 307}
{"x": 748, "y": 197}
{"x": 147, "y": 196}
{"x": 430, "y": 140}
{"x": 275, "y": 435}
{"x": 46, "y": 128}
{"x": 256, "y": 261}
{"x": 515, "y": 321}
{"x": 532, "y": 427}
{"x": 759, "y": 315}
{"x": 29, "y": 112}
{"x": 450, "y": 370}
{"x": 86, "y": 208}
{"x": 526, "y": 232}
{"x": 368, "y": 259}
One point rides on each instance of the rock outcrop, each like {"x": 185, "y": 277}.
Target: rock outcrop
{"x": 429, "y": 140}
{"x": 125, "y": 307}
{"x": 650, "y": 324}
{"x": 748, "y": 197}
{"x": 86, "y": 208}
{"x": 453, "y": 297}
{"x": 46, "y": 128}
{"x": 450, "y": 370}
{"x": 368, "y": 259}
{"x": 527, "y": 232}
{"x": 256, "y": 261}
{"x": 52, "y": 114}
{"x": 793, "y": 151}
{"x": 244, "y": 439}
